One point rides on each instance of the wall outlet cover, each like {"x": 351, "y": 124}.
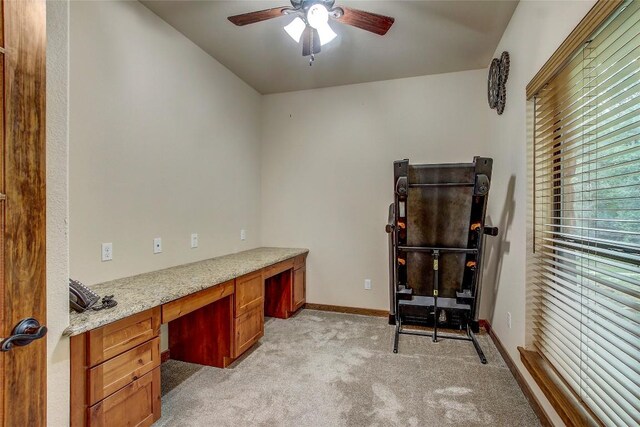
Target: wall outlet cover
{"x": 107, "y": 251}
{"x": 243, "y": 234}
{"x": 194, "y": 240}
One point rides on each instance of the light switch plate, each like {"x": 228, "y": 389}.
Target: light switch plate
{"x": 367, "y": 284}
{"x": 157, "y": 245}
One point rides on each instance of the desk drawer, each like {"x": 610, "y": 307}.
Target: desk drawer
{"x": 299, "y": 261}
{"x": 110, "y": 376}
{"x": 278, "y": 268}
{"x": 248, "y": 329}
{"x": 138, "y": 404}
{"x": 249, "y": 293}
{"x": 117, "y": 337}
{"x": 187, "y": 304}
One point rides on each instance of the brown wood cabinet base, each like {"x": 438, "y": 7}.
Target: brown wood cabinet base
{"x": 115, "y": 369}
{"x": 137, "y": 404}
{"x": 115, "y": 373}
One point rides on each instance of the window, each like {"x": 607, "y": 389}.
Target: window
{"x": 585, "y": 281}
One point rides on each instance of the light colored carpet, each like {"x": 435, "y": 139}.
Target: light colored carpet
{"x": 329, "y": 369}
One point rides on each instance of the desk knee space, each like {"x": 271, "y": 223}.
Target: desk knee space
{"x": 203, "y": 336}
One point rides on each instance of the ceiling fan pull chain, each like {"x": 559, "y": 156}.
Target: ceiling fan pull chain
{"x": 313, "y": 57}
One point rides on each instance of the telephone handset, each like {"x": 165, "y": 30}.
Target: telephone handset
{"x": 82, "y": 298}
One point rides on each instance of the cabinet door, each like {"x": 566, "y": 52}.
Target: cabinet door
{"x": 248, "y": 329}
{"x": 299, "y": 288}
{"x": 117, "y": 337}
{"x": 249, "y": 293}
{"x": 138, "y": 404}
{"x": 109, "y": 377}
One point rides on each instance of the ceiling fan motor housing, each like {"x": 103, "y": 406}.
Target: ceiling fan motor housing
{"x": 306, "y": 4}
{"x": 302, "y": 7}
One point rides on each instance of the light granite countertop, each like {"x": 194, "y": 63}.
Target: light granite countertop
{"x": 138, "y": 293}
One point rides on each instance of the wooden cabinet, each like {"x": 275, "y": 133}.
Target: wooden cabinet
{"x": 115, "y": 373}
{"x": 112, "y": 375}
{"x": 249, "y": 293}
{"x": 249, "y": 328}
{"x": 118, "y": 337}
{"x": 137, "y": 404}
{"x": 248, "y": 325}
{"x": 299, "y": 288}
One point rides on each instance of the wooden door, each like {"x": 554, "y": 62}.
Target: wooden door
{"x": 22, "y": 220}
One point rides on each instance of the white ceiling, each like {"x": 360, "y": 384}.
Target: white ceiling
{"x": 428, "y": 37}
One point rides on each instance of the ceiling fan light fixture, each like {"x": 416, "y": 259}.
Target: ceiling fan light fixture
{"x": 317, "y": 16}
{"x": 295, "y": 29}
{"x": 326, "y": 34}
{"x": 311, "y": 25}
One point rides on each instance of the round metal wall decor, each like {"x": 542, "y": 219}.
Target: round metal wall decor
{"x": 493, "y": 82}
{"x": 496, "y": 83}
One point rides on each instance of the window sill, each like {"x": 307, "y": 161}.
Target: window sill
{"x": 568, "y": 406}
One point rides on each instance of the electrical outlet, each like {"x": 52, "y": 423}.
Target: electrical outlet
{"x": 157, "y": 245}
{"x": 194, "y": 240}
{"x": 107, "y": 251}
{"x": 367, "y": 284}
{"x": 243, "y": 234}
{"x": 509, "y": 319}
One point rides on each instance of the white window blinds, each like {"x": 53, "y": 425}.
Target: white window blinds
{"x": 586, "y": 215}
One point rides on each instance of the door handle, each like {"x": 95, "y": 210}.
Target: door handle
{"x": 26, "y": 330}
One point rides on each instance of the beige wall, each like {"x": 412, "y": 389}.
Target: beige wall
{"x": 163, "y": 143}
{"x": 326, "y": 176}
{"x": 57, "y": 212}
{"x": 327, "y": 170}
{"x": 535, "y": 31}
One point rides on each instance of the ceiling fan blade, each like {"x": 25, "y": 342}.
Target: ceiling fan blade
{"x": 306, "y": 41}
{"x": 378, "y": 24}
{"x": 258, "y": 16}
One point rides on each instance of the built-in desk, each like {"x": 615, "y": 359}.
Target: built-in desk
{"x": 215, "y": 311}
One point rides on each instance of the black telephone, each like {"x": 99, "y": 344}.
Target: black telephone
{"x": 82, "y": 298}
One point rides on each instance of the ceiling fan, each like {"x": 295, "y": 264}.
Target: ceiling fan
{"x": 311, "y": 24}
